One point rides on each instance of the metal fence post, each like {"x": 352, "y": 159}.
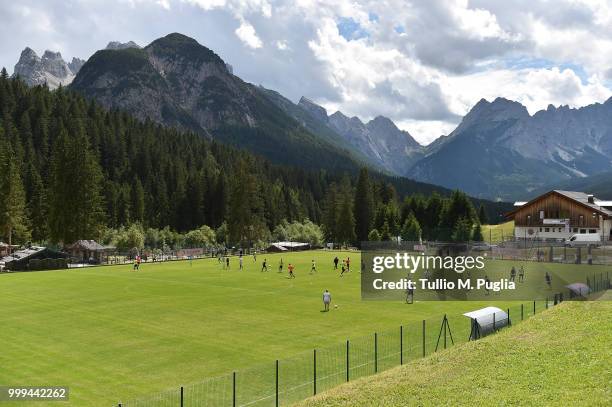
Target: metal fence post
{"x": 522, "y": 311}
{"x": 493, "y": 321}
{"x": 509, "y": 323}
{"x": 276, "y": 382}
{"x": 401, "y": 344}
{"x": 546, "y": 302}
{"x": 347, "y": 360}
{"x": 314, "y": 371}
{"x": 534, "y": 308}
{"x": 375, "y": 352}
{"x": 234, "y": 389}
{"x": 181, "y": 396}
{"x": 423, "y": 338}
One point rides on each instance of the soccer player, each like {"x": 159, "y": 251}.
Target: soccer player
{"x": 522, "y": 274}
{"x": 409, "y": 294}
{"x": 264, "y": 265}
{"x": 227, "y": 262}
{"x": 240, "y": 262}
{"x": 290, "y": 268}
{"x": 348, "y": 264}
{"x": 326, "y": 300}
{"x": 512, "y": 273}
{"x": 135, "y": 265}
{"x": 343, "y": 269}
{"x": 280, "y": 266}
{"x": 336, "y": 260}
{"x": 313, "y": 267}
{"x": 487, "y": 282}
{"x": 548, "y": 279}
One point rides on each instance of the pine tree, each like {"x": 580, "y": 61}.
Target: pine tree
{"x": 411, "y": 230}
{"x": 37, "y": 204}
{"x": 75, "y": 204}
{"x": 482, "y": 215}
{"x": 364, "y": 206}
{"x": 346, "y": 222}
{"x": 13, "y": 217}
{"x": 462, "y": 231}
{"x": 245, "y": 222}
{"x": 330, "y": 213}
{"x": 477, "y": 234}
{"x": 374, "y": 236}
{"x": 138, "y": 201}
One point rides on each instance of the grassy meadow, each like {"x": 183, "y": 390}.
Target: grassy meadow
{"x": 111, "y": 334}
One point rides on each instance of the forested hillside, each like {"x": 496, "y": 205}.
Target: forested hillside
{"x": 71, "y": 169}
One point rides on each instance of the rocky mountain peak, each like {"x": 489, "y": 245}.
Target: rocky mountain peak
{"x": 318, "y": 112}
{"x": 122, "y": 45}
{"x": 50, "y": 69}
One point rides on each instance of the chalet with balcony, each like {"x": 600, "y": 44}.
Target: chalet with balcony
{"x": 560, "y": 214}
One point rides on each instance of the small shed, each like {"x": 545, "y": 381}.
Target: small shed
{"x": 88, "y": 251}
{"x": 486, "y": 320}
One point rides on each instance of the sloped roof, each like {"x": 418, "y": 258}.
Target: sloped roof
{"x": 90, "y": 245}
{"x": 578, "y": 197}
{"x": 22, "y": 254}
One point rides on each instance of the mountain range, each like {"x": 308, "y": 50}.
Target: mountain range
{"x": 498, "y": 151}
{"x": 52, "y": 69}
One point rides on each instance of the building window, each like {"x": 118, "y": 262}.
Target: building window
{"x": 575, "y": 230}
{"x": 582, "y": 230}
{"x": 592, "y": 231}
{"x": 541, "y": 214}
{"x": 547, "y": 229}
{"x": 560, "y": 230}
{"x": 540, "y": 229}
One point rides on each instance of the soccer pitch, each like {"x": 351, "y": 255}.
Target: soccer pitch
{"x": 110, "y": 333}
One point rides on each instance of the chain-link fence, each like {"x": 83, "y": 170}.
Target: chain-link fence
{"x": 287, "y": 381}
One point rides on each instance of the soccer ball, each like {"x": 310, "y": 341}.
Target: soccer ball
{"x": 336, "y": 306}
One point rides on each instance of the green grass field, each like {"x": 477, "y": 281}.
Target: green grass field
{"x": 560, "y": 357}
{"x": 113, "y": 334}
{"x": 496, "y": 233}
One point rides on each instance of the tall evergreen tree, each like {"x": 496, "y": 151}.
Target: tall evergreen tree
{"x": 411, "y": 230}
{"x": 75, "y": 204}
{"x": 482, "y": 215}
{"x": 364, "y": 206}
{"x": 346, "y": 222}
{"x": 13, "y": 217}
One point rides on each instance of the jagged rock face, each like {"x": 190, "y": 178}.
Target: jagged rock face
{"x": 122, "y": 45}
{"x": 50, "y": 69}
{"x": 499, "y": 151}
{"x": 182, "y": 83}
{"x": 316, "y": 111}
{"x": 177, "y": 82}
{"x": 76, "y": 64}
{"x": 395, "y": 150}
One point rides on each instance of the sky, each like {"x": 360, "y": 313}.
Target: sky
{"x": 423, "y": 64}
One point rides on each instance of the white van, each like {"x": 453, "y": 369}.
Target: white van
{"x": 584, "y": 239}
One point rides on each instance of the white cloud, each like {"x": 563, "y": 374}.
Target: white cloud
{"x": 423, "y": 64}
{"x": 246, "y": 33}
{"x": 534, "y": 88}
{"x": 282, "y": 45}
